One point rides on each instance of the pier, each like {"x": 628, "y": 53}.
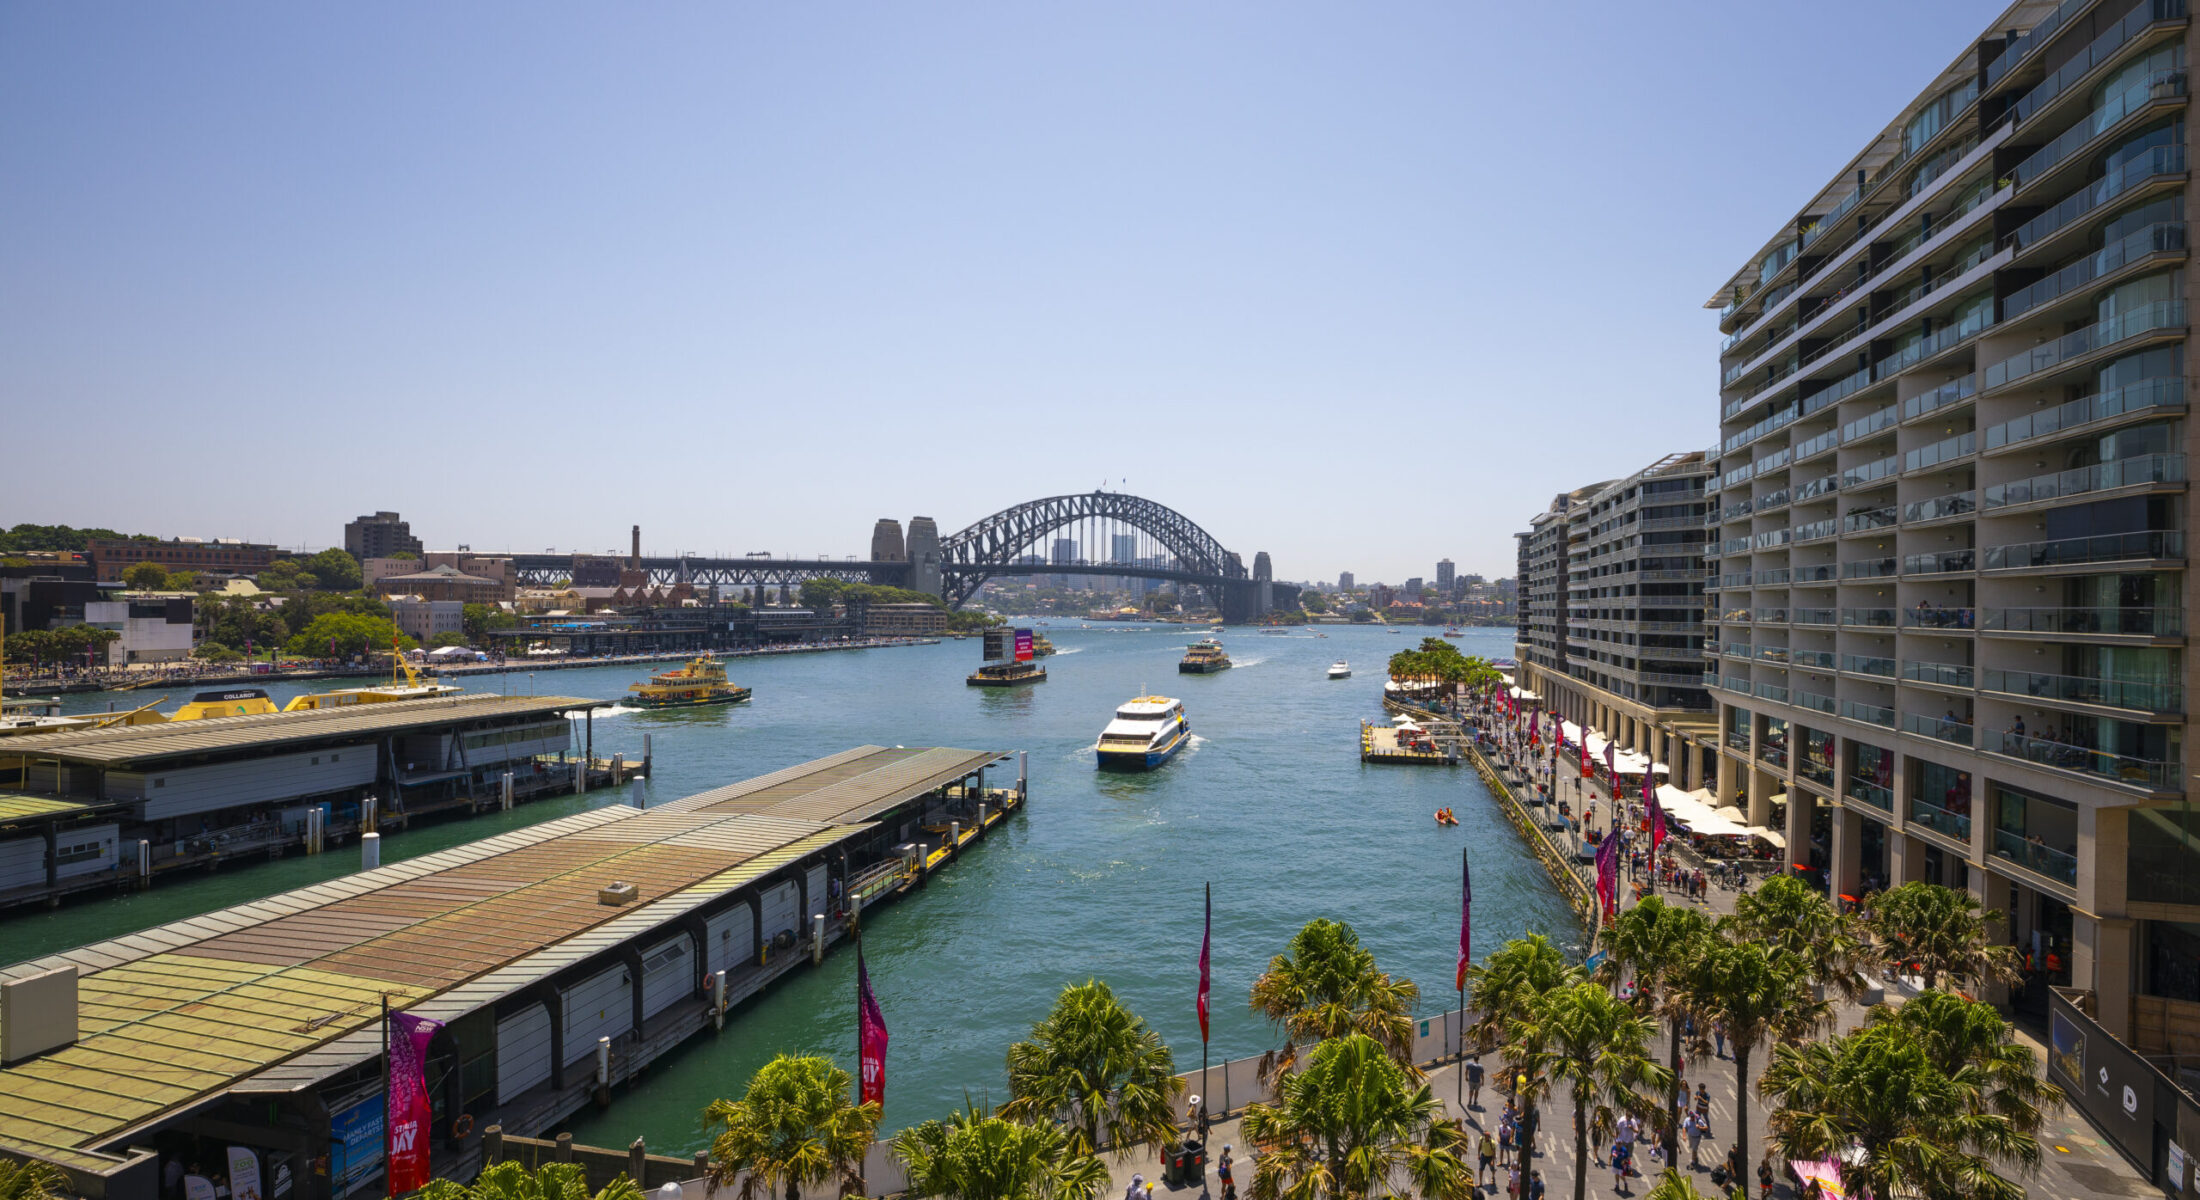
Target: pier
{"x": 1397, "y": 744}
{"x": 259, "y": 1025}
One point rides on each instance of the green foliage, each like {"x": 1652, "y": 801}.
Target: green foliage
{"x": 352, "y": 634}
{"x": 1655, "y": 943}
{"x": 1970, "y": 1042}
{"x": 1098, "y": 1067}
{"x": 794, "y": 1126}
{"x": 1942, "y": 932}
{"x": 31, "y": 1180}
{"x": 239, "y": 621}
{"x": 1439, "y": 661}
{"x": 407, "y": 555}
{"x": 66, "y": 645}
{"x": 1676, "y": 1185}
{"x": 215, "y": 652}
{"x": 511, "y": 1181}
{"x": 1313, "y": 601}
{"x": 973, "y": 1156}
{"x": 1758, "y": 992}
{"x": 974, "y": 622}
{"x": 1511, "y": 980}
{"x": 28, "y": 537}
{"x": 1355, "y": 1124}
{"x": 145, "y": 577}
{"x": 335, "y": 570}
{"x": 820, "y": 595}
{"x": 480, "y": 619}
{"x": 1593, "y": 1048}
{"x": 1325, "y": 985}
{"x": 449, "y": 637}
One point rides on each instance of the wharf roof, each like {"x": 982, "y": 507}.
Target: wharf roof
{"x": 280, "y": 994}
{"x": 129, "y": 744}
{"x": 16, "y": 807}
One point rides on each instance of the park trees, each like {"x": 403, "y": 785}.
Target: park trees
{"x": 794, "y": 1126}
{"x": 1098, "y": 1067}
{"x": 1354, "y": 1125}
{"x": 1941, "y": 932}
{"x": 1326, "y": 984}
{"x": 975, "y": 1156}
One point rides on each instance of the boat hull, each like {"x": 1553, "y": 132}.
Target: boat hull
{"x": 981, "y": 679}
{"x": 737, "y": 696}
{"x": 1144, "y": 760}
{"x": 1201, "y": 668}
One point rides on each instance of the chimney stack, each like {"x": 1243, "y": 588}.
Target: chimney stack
{"x": 634, "y": 559}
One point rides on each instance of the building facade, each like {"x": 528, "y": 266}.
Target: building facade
{"x": 380, "y": 535}
{"x": 422, "y": 620}
{"x": 155, "y": 626}
{"x": 1949, "y": 603}
{"x": 1446, "y": 576}
{"x": 1344, "y": 581}
{"x": 223, "y": 556}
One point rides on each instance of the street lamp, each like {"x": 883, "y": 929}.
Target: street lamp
{"x": 530, "y": 685}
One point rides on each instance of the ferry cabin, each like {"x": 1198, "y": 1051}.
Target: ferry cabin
{"x": 1145, "y": 733}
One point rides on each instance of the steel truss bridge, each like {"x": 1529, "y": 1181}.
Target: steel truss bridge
{"x": 1089, "y": 534}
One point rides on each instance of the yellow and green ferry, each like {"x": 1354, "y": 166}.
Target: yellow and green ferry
{"x": 701, "y": 681}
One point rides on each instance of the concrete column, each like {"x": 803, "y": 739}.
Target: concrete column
{"x": 1905, "y": 859}
{"x": 1730, "y": 774}
{"x": 1760, "y": 796}
{"x": 1847, "y": 875}
{"x": 2104, "y": 847}
{"x": 2102, "y": 960}
{"x": 1801, "y": 806}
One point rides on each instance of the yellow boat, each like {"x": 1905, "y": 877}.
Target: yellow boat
{"x": 702, "y": 681}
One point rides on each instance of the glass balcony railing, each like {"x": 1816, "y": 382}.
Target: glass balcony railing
{"x": 2160, "y": 85}
{"x": 2160, "y": 238}
{"x": 1817, "y": 445}
{"x": 1940, "y": 728}
{"x": 2140, "y": 321}
{"x": 1814, "y": 573}
{"x": 1810, "y": 531}
{"x": 1871, "y": 618}
{"x": 1773, "y": 654}
{"x": 1945, "y": 450}
{"x": 2141, "y": 772}
{"x": 1929, "y": 617}
{"x": 1778, "y": 695}
{"x": 1811, "y": 616}
{"x": 1865, "y": 426}
{"x": 1870, "y": 519}
{"x": 1871, "y": 472}
{"x": 1954, "y": 504}
{"x": 1946, "y": 338}
{"x": 1837, "y": 391}
{"x": 1940, "y": 820}
{"x": 1940, "y": 562}
{"x": 1940, "y": 397}
{"x": 2033, "y": 39}
{"x": 1772, "y": 576}
{"x": 1822, "y": 659}
{"x": 2102, "y": 48}
{"x": 1878, "y": 797}
{"x": 2100, "y": 477}
{"x": 2143, "y": 396}
{"x": 2079, "y": 689}
{"x": 2109, "y": 547}
{"x": 2037, "y": 857}
{"x": 1864, "y": 664}
{"x": 2123, "y": 622}
{"x": 1813, "y": 700}
{"x": 2154, "y": 164}
{"x": 1870, "y": 714}
{"x": 1823, "y": 486}
{"x": 1944, "y": 674}
{"x": 1775, "y": 499}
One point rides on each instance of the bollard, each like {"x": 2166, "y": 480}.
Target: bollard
{"x": 855, "y": 910}
{"x": 718, "y": 1001}
{"x": 603, "y": 1062}
{"x": 492, "y": 1145}
{"x": 1023, "y": 774}
{"x": 565, "y": 1148}
{"x": 636, "y": 793}
{"x": 817, "y": 938}
{"x": 637, "y": 1162}
{"x": 954, "y": 835}
{"x": 702, "y": 1163}
{"x": 370, "y": 851}
{"x": 507, "y": 791}
{"x": 981, "y": 816}
{"x": 618, "y": 768}
{"x": 145, "y": 863}
{"x": 369, "y": 817}
{"x": 646, "y": 758}
{"x": 580, "y": 777}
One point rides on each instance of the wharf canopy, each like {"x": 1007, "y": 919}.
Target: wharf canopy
{"x": 258, "y": 1025}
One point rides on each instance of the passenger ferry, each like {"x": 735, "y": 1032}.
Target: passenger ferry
{"x": 702, "y": 681}
{"x": 1204, "y": 657}
{"x": 1041, "y": 647}
{"x": 1008, "y": 674}
{"x": 1145, "y": 733}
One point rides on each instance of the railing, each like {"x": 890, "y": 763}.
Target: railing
{"x": 2132, "y": 398}
{"x": 1871, "y": 793}
{"x": 1945, "y": 674}
{"x": 1772, "y": 616}
{"x": 2160, "y": 161}
{"x": 1869, "y": 424}
{"x": 1940, "y": 820}
{"x": 1822, "y": 486}
{"x": 1938, "y": 562}
{"x": 2158, "y": 86}
{"x": 1778, "y": 695}
{"x": 1943, "y": 339}
{"x": 1937, "y": 618}
{"x": 2145, "y": 319}
{"x": 1811, "y": 616}
{"x": 2159, "y": 238}
{"x": 1954, "y": 504}
{"x": 1884, "y": 468}
{"x": 1839, "y": 390}
{"x": 2143, "y": 772}
{"x": 1870, "y": 714}
{"x": 1733, "y": 511}
{"x": 2100, "y": 50}
{"x": 1813, "y": 700}
{"x": 1776, "y": 421}
{"x": 1817, "y": 772}
{"x": 1772, "y": 539}
{"x": 1945, "y": 450}
{"x": 1814, "y": 573}
{"x": 2037, "y": 857}
{"x": 1953, "y": 392}
{"x": 1773, "y": 461}
{"x": 2111, "y": 547}
{"x": 1864, "y": 664}
{"x": 1817, "y": 445}
{"x": 1877, "y": 618}
{"x": 1812, "y": 658}
{"x": 2079, "y": 689}
{"x": 1870, "y": 518}
{"x": 1726, "y": 683}
{"x": 2101, "y": 477}
{"x": 1740, "y": 580}
{"x": 1813, "y": 530}
{"x": 1937, "y": 727}
{"x": 1772, "y": 576}
{"x": 2130, "y": 622}
{"x": 2032, "y": 39}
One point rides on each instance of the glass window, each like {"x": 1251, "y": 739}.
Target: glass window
{"x": 1942, "y": 801}
{"x": 1772, "y": 747}
{"x": 1816, "y": 750}
{"x": 2133, "y": 295}
{"x": 2038, "y": 833}
{"x": 1936, "y": 115}
{"x": 1737, "y": 728}
{"x": 2163, "y": 858}
{"x": 2173, "y": 960}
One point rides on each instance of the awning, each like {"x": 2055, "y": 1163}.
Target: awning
{"x": 1628, "y": 761}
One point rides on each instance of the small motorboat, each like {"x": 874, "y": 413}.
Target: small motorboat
{"x": 1340, "y": 670}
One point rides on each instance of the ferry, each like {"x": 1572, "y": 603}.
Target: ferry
{"x": 1451, "y": 631}
{"x": 1008, "y": 674}
{"x": 1145, "y": 733}
{"x": 702, "y": 681}
{"x": 1203, "y": 657}
{"x": 1040, "y": 646}
{"x": 1340, "y": 669}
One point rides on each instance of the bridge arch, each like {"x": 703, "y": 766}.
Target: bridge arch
{"x": 968, "y": 556}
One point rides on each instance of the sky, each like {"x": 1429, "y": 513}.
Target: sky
{"x": 1362, "y": 286}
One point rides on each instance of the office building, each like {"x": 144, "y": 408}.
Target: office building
{"x": 1446, "y": 578}
{"x": 1950, "y": 599}
{"x": 220, "y": 556}
{"x": 380, "y": 535}
{"x": 422, "y": 620}
{"x": 1344, "y": 581}
{"x": 1412, "y": 588}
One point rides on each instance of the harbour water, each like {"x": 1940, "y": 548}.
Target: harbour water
{"x": 1101, "y": 877}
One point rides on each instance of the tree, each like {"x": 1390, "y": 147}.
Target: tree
{"x": 1352, "y": 1125}
{"x": 406, "y": 555}
{"x": 1672, "y": 1185}
{"x": 1512, "y": 979}
{"x": 449, "y": 637}
{"x": 1794, "y": 919}
{"x": 479, "y": 619}
{"x": 238, "y": 621}
{"x": 33, "y": 646}
{"x": 215, "y": 652}
{"x": 1325, "y": 985}
{"x": 1916, "y": 1130}
{"x": 145, "y": 577}
{"x": 1594, "y": 1048}
{"x": 1313, "y": 601}
{"x": 1758, "y": 993}
{"x": 1968, "y": 1041}
{"x": 31, "y": 1180}
{"x": 973, "y": 1156}
{"x": 335, "y": 570}
{"x": 1655, "y": 942}
{"x": 509, "y": 1180}
{"x": 350, "y": 634}
{"x": 1098, "y": 1067}
{"x": 1941, "y": 931}
{"x": 27, "y": 537}
{"x": 794, "y": 1126}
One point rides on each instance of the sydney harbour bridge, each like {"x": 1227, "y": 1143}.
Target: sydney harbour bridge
{"x": 1090, "y": 534}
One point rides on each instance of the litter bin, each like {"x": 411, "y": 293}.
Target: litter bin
{"x": 1186, "y": 1165}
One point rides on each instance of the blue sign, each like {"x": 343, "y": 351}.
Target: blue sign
{"x": 355, "y": 1149}
{"x": 1595, "y": 960}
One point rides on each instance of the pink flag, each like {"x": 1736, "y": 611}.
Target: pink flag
{"x": 1657, "y": 825}
{"x": 406, "y": 1134}
{"x": 1206, "y": 942}
{"x": 1608, "y": 874}
{"x": 870, "y": 1035}
{"x": 1466, "y": 919}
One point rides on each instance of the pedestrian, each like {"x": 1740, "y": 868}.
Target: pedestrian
{"x": 1703, "y": 1100}
{"x": 1474, "y": 1083}
{"x": 1619, "y": 1169}
{"x": 1486, "y": 1155}
{"x": 1694, "y": 1127}
{"x": 1535, "y": 1185}
{"x": 1764, "y": 1174}
{"x": 1137, "y": 1189}
{"x": 1512, "y": 1180}
{"x": 1718, "y": 1036}
{"x": 1505, "y": 1133}
{"x": 1225, "y": 1171}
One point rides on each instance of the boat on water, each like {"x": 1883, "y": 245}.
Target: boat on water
{"x": 1041, "y": 647}
{"x": 699, "y": 682}
{"x": 1340, "y": 669}
{"x": 1007, "y": 674}
{"x": 1203, "y": 657}
{"x": 1145, "y": 733}
{"x": 1451, "y": 631}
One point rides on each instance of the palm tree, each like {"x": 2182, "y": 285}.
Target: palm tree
{"x": 794, "y": 1126}
{"x": 1582, "y": 1041}
{"x": 1655, "y": 942}
{"x": 1970, "y": 1043}
{"x": 1325, "y": 984}
{"x": 1508, "y": 982}
{"x": 1673, "y": 1185}
{"x": 1942, "y": 931}
{"x": 1758, "y": 993}
{"x": 1795, "y": 919}
{"x": 1095, "y": 1065}
{"x": 31, "y": 1181}
{"x": 1350, "y": 1126}
{"x": 1918, "y": 1131}
{"x": 973, "y": 1156}
{"x": 509, "y": 1180}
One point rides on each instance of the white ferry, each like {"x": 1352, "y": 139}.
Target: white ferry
{"x": 1340, "y": 670}
{"x": 1145, "y": 733}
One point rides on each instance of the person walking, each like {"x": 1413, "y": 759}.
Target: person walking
{"x": 1505, "y": 1134}
{"x": 1718, "y": 1036}
{"x": 1693, "y": 1125}
{"x": 1137, "y": 1189}
{"x": 1486, "y": 1156}
{"x": 1225, "y": 1170}
{"x": 1474, "y": 1083}
{"x": 1764, "y": 1175}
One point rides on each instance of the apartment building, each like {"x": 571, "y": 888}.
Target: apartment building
{"x": 1949, "y": 610}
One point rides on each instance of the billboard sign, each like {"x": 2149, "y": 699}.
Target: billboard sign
{"x": 999, "y": 644}
{"x": 1023, "y": 645}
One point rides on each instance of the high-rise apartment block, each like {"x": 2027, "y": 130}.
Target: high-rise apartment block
{"x": 1344, "y": 581}
{"x": 1950, "y": 609}
{"x": 1446, "y": 576}
{"x": 380, "y": 535}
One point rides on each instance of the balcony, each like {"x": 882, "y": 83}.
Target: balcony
{"x": 1940, "y": 562}
{"x": 2163, "y": 85}
{"x": 2100, "y": 477}
{"x": 1772, "y": 577}
{"x": 1821, "y": 659}
{"x": 2037, "y": 857}
{"x": 1939, "y": 728}
{"x": 1871, "y": 793}
{"x": 1814, "y": 573}
{"x": 1811, "y": 531}
{"x": 1954, "y": 504}
{"x": 1811, "y": 616}
{"x": 2144, "y": 397}
{"x": 1772, "y": 654}
{"x": 2142, "y": 546}
{"x": 1869, "y": 714}
{"x": 1954, "y": 392}
{"x": 2079, "y": 689}
{"x": 1822, "y": 486}
{"x": 2139, "y": 322}
{"x": 1868, "y": 618}
{"x": 2106, "y": 622}
{"x": 1870, "y": 519}
{"x": 1810, "y": 447}
{"x": 2096, "y": 764}
{"x": 1946, "y": 450}
{"x": 2159, "y": 163}
{"x": 2102, "y": 48}
{"x": 1954, "y": 675}
{"x": 1868, "y": 568}
{"x": 1869, "y": 424}
{"x": 1864, "y": 664}
{"x": 1940, "y": 820}
{"x": 1813, "y": 700}
{"x": 1939, "y": 620}
{"x": 2033, "y": 39}
{"x": 2166, "y": 237}
{"x": 1778, "y": 695}
{"x": 1871, "y": 472}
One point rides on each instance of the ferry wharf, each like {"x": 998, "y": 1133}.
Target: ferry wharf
{"x": 562, "y": 959}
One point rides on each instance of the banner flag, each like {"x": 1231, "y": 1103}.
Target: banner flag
{"x": 409, "y": 1112}
{"x": 1206, "y": 941}
{"x": 1466, "y": 920}
{"x": 870, "y": 1035}
{"x": 1608, "y": 874}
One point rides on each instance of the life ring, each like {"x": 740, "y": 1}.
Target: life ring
{"x": 463, "y": 1127}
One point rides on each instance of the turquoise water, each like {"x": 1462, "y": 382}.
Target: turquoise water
{"x": 1101, "y": 876}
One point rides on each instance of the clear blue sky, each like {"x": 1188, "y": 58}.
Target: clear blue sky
{"x": 1359, "y": 285}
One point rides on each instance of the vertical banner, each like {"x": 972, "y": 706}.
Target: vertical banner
{"x": 244, "y": 1174}
{"x": 198, "y": 1187}
{"x": 409, "y": 1111}
{"x": 1023, "y": 645}
{"x": 870, "y": 1035}
{"x": 1206, "y": 943}
{"x": 1466, "y": 922}
{"x": 1608, "y": 874}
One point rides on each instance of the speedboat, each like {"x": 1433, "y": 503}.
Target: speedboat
{"x": 1340, "y": 670}
{"x": 1145, "y": 733}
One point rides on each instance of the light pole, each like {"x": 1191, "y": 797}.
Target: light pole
{"x": 530, "y": 685}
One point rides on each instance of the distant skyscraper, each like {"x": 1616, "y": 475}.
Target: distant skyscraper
{"x": 1412, "y": 588}
{"x": 380, "y": 535}
{"x": 1344, "y": 581}
{"x": 1125, "y": 548}
{"x": 1444, "y": 575}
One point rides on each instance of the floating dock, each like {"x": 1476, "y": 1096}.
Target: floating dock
{"x": 258, "y": 1026}
{"x": 1388, "y": 744}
